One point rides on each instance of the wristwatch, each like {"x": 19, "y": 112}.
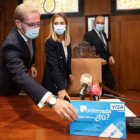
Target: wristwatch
{"x": 52, "y": 101}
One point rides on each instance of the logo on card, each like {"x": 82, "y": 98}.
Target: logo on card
{"x": 83, "y": 108}
{"x": 117, "y": 106}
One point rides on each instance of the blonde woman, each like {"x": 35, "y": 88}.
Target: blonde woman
{"x": 58, "y": 57}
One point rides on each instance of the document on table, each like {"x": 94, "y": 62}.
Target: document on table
{"x": 128, "y": 112}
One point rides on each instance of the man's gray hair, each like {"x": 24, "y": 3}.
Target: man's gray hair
{"x": 23, "y": 9}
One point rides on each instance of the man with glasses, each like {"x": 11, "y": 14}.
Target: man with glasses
{"x": 18, "y": 56}
{"x": 97, "y": 38}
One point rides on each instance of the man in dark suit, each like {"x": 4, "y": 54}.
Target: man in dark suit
{"x": 18, "y": 56}
{"x": 97, "y": 38}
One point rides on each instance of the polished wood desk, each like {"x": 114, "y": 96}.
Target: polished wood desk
{"x": 21, "y": 119}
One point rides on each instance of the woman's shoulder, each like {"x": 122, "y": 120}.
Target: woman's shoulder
{"x": 49, "y": 39}
{"x": 50, "y": 42}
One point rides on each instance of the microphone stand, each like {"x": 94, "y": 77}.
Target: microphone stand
{"x": 112, "y": 96}
{"x": 83, "y": 97}
{"x": 83, "y": 91}
{"x": 96, "y": 97}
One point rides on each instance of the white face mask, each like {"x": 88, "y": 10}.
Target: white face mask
{"x": 59, "y": 29}
{"x": 31, "y": 33}
{"x": 99, "y": 27}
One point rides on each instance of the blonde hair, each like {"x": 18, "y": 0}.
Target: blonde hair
{"x": 53, "y": 33}
{"x": 23, "y": 9}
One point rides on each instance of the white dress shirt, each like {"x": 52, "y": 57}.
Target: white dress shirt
{"x": 65, "y": 50}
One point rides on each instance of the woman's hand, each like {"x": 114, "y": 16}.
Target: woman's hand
{"x": 71, "y": 77}
{"x": 33, "y": 72}
{"x": 62, "y": 94}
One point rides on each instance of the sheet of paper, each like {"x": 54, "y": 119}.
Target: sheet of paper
{"x": 128, "y": 112}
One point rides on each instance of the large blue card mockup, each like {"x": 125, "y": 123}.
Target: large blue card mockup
{"x": 101, "y": 119}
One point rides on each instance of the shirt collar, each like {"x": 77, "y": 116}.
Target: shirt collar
{"x": 25, "y": 39}
{"x": 97, "y": 31}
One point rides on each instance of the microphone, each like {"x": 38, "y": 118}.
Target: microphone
{"x": 85, "y": 81}
{"x": 112, "y": 96}
{"x": 95, "y": 91}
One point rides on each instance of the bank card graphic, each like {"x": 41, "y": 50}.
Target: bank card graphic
{"x": 101, "y": 119}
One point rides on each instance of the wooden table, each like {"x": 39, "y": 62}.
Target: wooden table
{"x": 21, "y": 119}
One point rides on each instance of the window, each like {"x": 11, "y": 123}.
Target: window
{"x": 123, "y": 7}
{"x": 72, "y": 8}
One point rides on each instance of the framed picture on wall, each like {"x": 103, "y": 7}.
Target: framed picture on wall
{"x": 90, "y": 24}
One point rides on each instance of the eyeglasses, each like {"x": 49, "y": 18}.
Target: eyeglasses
{"x": 102, "y": 23}
{"x": 33, "y": 25}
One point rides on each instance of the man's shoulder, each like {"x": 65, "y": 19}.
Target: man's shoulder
{"x": 13, "y": 32}
{"x": 12, "y": 37}
{"x": 104, "y": 33}
{"x": 90, "y": 32}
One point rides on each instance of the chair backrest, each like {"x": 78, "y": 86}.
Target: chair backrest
{"x": 84, "y": 50}
{"x": 80, "y": 66}
{"x": 84, "y": 61}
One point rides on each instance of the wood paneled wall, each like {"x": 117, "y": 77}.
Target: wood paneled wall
{"x": 124, "y": 44}
{"x": 130, "y": 55}
{"x": 95, "y": 7}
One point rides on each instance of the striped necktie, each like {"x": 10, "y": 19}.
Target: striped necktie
{"x": 30, "y": 47}
{"x": 105, "y": 46}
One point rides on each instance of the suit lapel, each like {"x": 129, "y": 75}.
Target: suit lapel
{"x": 105, "y": 38}
{"x": 69, "y": 51}
{"x": 61, "y": 50}
{"x": 99, "y": 39}
{"x": 23, "y": 45}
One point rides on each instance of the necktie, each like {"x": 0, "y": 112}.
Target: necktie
{"x": 30, "y": 47}
{"x": 105, "y": 46}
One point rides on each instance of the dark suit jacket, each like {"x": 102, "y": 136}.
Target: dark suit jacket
{"x": 94, "y": 40}
{"x": 15, "y": 62}
{"x": 56, "y": 68}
